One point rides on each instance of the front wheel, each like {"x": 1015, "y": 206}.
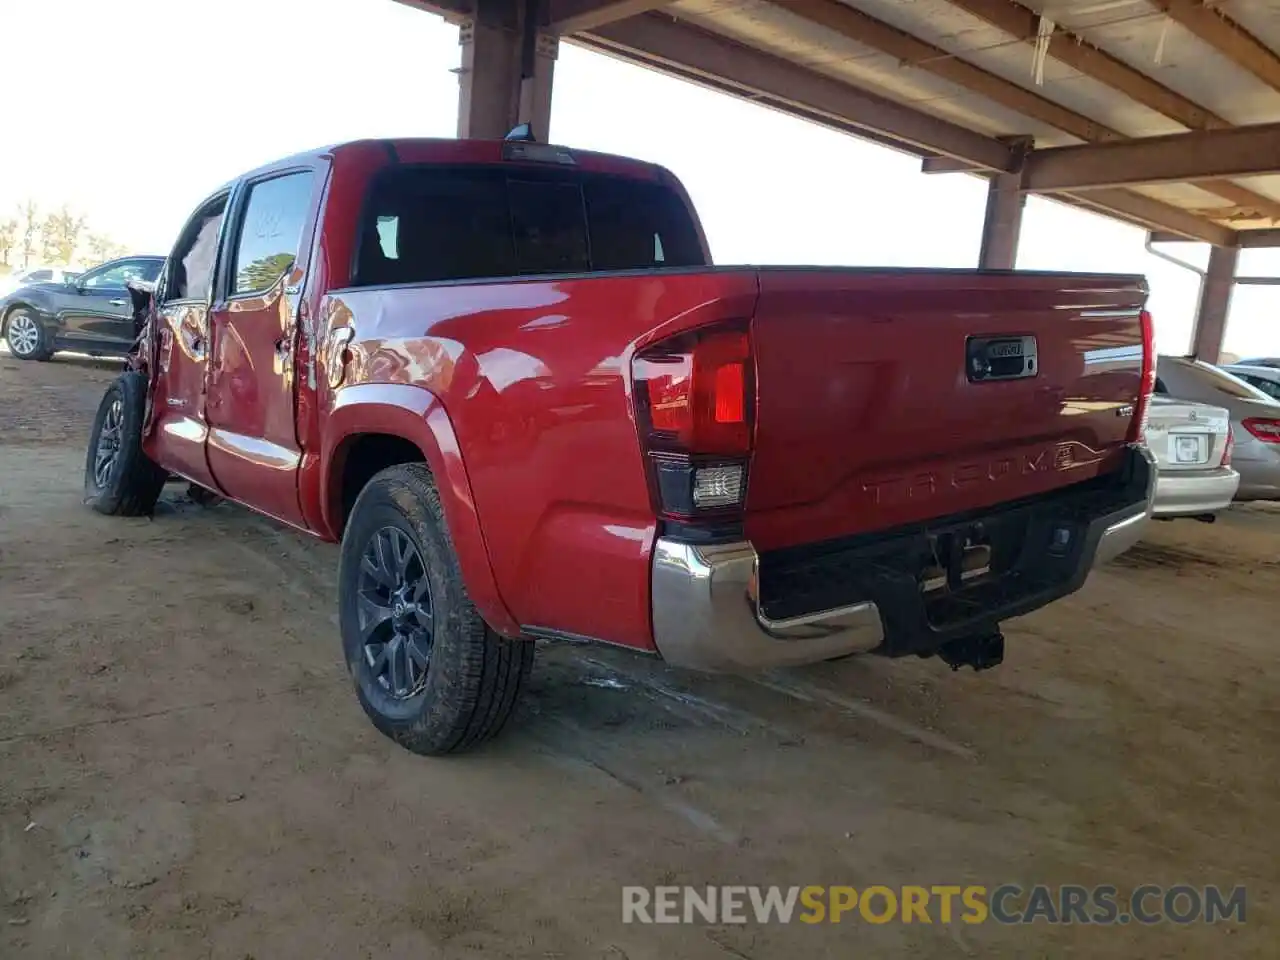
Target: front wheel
{"x": 26, "y": 336}
{"x": 427, "y": 669}
{"x": 119, "y": 478}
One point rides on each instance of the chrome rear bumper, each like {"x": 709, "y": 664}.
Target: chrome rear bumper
{"x": 706, "y": 614}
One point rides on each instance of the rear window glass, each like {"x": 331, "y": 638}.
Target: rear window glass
{"x": 1230, "y": 385}
{"x": 425, "y": 224}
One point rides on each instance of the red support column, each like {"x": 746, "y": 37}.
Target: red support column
{"x": 1215, "y": 301}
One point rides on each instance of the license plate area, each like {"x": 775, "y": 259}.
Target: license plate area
{"x": 1188, "y": 449}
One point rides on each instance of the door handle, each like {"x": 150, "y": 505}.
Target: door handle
{"x": 117, "y": 303}
{"x": 336, "y": 355}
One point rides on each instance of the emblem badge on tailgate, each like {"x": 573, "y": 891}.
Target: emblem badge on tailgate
{"x": 999, "y": 358}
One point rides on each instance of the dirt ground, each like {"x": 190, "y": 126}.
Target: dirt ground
{"x": 184, "y": 771}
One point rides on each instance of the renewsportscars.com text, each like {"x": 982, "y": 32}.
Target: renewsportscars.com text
{"x": 1007, "y": 904}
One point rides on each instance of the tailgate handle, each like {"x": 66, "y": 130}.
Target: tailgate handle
{"x": 1000, "y": 357}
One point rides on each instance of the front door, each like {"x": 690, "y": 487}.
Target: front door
{"x": 178, "y": 431}
{"x": 253, "y": 444}
{"x": 96, "y": 311}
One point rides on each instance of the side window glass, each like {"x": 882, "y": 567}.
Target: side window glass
{"x": 1160, "y": 387}
{"x": 270, "y": 232}
{"x": 38, "y": 276}
{"x": 190, "y": 273}
{"x": 115, "y": 276}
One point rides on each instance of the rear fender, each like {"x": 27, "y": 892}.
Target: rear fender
{"x": 416, "y": 415}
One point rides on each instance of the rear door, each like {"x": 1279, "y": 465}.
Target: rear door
{"x": 253, "y": 446}
{"x": 891, "y": 397}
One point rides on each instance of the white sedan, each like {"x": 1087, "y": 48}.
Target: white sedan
{"x": 12, "y": 281}
{"x": 1192, "y": 447}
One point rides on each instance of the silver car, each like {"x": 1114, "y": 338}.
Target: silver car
{"x": 1191, "y": 443}
{"x": 1265, "y": 378}
{"x": 1255, "y": 419}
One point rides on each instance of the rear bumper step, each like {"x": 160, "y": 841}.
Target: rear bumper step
{"x": 727, "y": 608}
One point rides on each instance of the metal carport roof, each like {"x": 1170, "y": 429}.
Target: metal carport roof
{"x": 1164, "y": 113}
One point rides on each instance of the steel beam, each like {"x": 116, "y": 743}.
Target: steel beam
{"x": 1140, "y": 209}
{"x": 1175, "y": 223}
{"x": 1233, "y": 41}
{"x": 1176, "y": 158}
{"x": 860, "y": 27}
{"x": 1164, "y": 236}
{"x": 572, "y": 16}
{"x": 947, "y": 165}
{"x": 942, "y": 63}
{"x": 696, "y": 54}
{"x": 1079, "y": 54}
{"x": 1215, "y": 303}
{"x": 1259, "y": 238}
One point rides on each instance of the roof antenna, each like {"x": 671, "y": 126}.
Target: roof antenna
{"x": 522, "y": 132}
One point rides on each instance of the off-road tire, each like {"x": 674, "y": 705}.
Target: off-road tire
{"x": 43, "y": 350}
{"x": 133, "y": 484}
{"x": 473, "y": 675}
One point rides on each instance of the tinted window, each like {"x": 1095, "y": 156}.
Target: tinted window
{"x": 548, "y": 227}
{"x": 118, "y": 274}
{"x": 1228, "y": 384}
{"x": 1269, "y": 387}
{"x": 38, "y": 276}
{"x": 271, "y": 231}
{"x": 427, "y": 223}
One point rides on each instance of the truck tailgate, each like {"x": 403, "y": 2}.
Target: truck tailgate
{"x": 886, "y": 398}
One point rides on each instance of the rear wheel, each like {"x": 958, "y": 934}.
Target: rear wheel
{"x": 427, "y": 670}
{"x": 119, "y": 478}
{"x": 26, "y": 336}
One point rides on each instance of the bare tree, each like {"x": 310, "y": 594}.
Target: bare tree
{"x": 102, "y": 248}
{"x": 61, "y": 235}
{"x": 8, "y": 239}
{"x": 29, "y": 231}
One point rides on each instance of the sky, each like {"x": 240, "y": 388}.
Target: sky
{"x": 149, "y": 105}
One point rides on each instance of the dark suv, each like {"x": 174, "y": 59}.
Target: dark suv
{"x": 91, "y": 313}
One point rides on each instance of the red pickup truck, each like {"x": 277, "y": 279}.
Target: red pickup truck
{"x": 507, "y": 378}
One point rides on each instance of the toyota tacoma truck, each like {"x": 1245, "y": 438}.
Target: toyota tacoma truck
{"x": 506, "y": 377}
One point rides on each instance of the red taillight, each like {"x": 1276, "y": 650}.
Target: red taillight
{"x": 1226, "y": 451}
{"x": 694, "y": 397}
{"x": 692, "y": 393}
{"x": 1263, "y": 428}
{"x": 1147, "y": 385}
